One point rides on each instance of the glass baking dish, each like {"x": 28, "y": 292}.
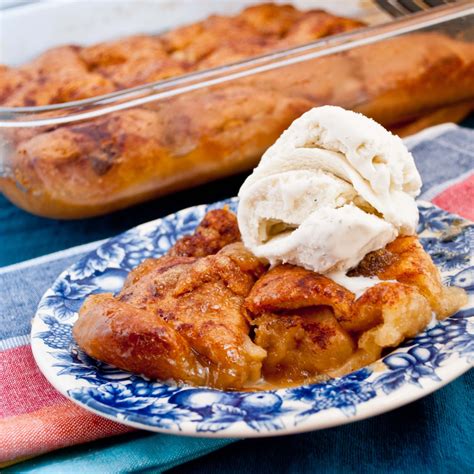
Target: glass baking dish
{"x": 96, "y": 155}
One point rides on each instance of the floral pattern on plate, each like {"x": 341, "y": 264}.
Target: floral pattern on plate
{"x": 442, "y": 352}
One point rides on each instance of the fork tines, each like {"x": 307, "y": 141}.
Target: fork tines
{"x": 397, "y": 8}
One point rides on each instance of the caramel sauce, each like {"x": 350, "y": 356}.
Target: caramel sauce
{"x": 277, "y": 383}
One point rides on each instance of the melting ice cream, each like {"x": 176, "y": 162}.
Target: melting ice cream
{"x": 335, "y": 186}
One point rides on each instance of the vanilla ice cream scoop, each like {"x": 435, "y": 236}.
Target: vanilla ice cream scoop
{"x": 335, "y": 186}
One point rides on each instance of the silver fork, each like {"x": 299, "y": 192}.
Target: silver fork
{"x": 398, "y": 8}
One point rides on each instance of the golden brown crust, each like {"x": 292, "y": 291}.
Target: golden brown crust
{"x": 405, "y": 260}
{"x": 135, "y": 340}
{"x": 114, "y": 161}
{"x": 218, "y": 229}
{"x": 287, "y": 287}
{"x": 285, "y": 298}
{"x": 197, "y": 306}
{"x": 132, "y": 61}
{"x": 399, "y": 311}
{"x": 126, "y": 157}
{"x": 426, "y": 71}
{"x": 140, "y": 59}
{"x": 299, "y": 347}
{"x": 181, "y": 317}
{"x": 55, "y": 77}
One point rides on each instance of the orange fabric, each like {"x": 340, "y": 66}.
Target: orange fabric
{"x": 24, "y": 388}
{"x": 52, "y": 428}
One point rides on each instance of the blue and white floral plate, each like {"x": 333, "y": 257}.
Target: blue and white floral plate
{"x": 424, "y": 364}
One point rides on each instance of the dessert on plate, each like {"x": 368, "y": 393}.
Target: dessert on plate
{"x": 319, "y": 273}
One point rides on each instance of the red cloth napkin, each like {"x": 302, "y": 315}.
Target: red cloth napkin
{"x": 34, "y": 417}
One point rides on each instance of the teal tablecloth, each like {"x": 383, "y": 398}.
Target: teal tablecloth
{"x": 24, "y": 236}
{"x": 433, "y": 435}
